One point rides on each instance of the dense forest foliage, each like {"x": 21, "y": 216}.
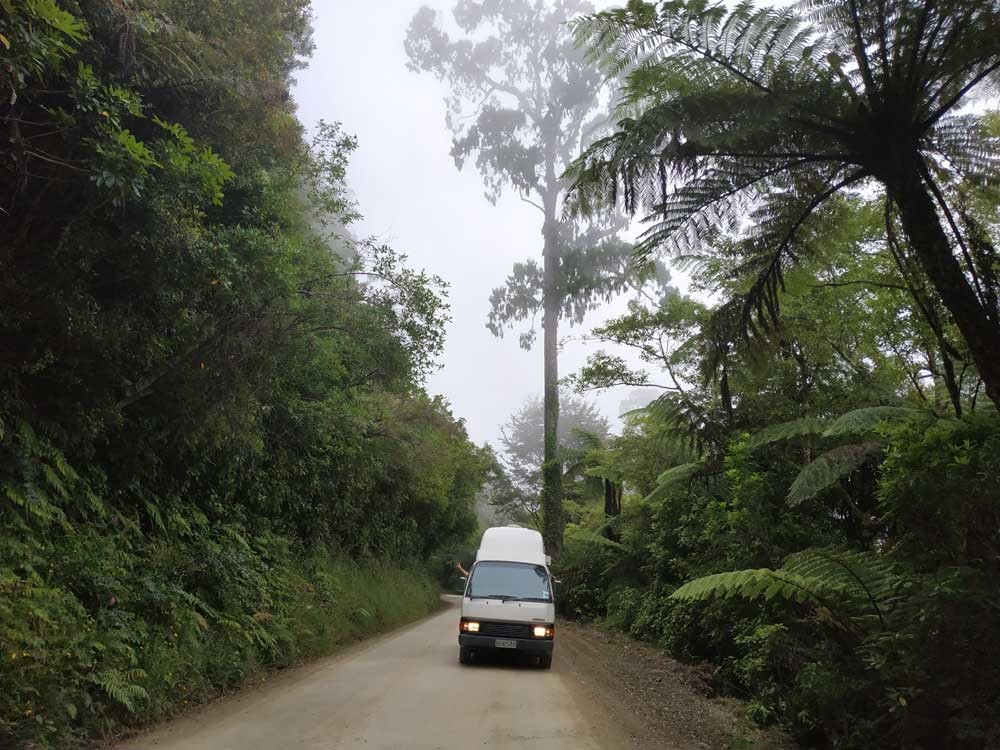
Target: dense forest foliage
{"x": 216, "y": 455}
{"x": 829, "y": 542}
{"x": 813, "y": 503}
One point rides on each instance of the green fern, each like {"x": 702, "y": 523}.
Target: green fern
{"x": 839, "y": 461}
{"x": 738, "y": 116}
{"x": 828, "y": 469}
{"x": 807, "y": 427}
{"x": 588, "y": 441}
{"x": 581, "y": 534}
{"x": 684, "y": 422}
{"x": 864, "y": 421}
{"x": 876, "y": 583}
{"x": 120, "y": 687}
{"x": 610, "y": 473}
{"x": 856, "y": 591}
{"x": 674, "y": 477}
{"x": 760, "y": 582}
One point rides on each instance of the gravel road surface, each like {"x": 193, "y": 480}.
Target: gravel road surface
{"x": 405, "y": 690}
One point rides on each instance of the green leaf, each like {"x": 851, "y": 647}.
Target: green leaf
{"x": 57, "y": 18}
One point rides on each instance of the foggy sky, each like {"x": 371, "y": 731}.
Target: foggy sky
{"x": 413, "y": 197}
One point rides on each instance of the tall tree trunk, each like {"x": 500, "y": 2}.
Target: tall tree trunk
{"x": 552, "y": 522}
{"x": 612, "y": 506}
{"x": 922, "y": 224}
{"x": 951, "y": 382}
{"x": 612, "y": 499}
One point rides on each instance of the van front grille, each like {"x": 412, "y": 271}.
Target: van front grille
{"x": 506, "y": 629}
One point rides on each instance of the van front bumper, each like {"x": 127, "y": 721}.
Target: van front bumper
{"x": 527, "y": 645}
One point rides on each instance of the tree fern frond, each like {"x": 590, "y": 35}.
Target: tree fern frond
{"x": 687, "y": 423}
{"x": 760, "y": 582}
{"x": 750, "y": 43}
{"x": 874, "y": 579}
{"x": 965, "y": 146}
{"x": 674, "y": 477}
{"x": 581, "y": 534}
{"x": 828, "y": 469}
{"x": 864, "y": 421}
{"x": 857, "y": 591}
{"x": 588, "y": 440}
{"x": 793, "y": 430}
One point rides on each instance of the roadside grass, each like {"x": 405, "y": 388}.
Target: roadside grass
{"x": 320, "y": 607}
{"x": 118, "y": 637}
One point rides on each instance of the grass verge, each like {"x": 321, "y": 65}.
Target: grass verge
{"x": 178, "y": 629}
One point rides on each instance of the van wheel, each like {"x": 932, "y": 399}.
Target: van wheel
{"x": 545, "y": 661}
{"x": 464, "y": 655}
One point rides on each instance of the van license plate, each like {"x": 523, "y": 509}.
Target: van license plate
{"x": 504, "y": 644}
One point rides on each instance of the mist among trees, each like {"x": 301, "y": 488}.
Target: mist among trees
{"x": 524, "y": 102}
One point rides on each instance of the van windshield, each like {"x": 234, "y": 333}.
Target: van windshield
{"x": 510, "y": 581}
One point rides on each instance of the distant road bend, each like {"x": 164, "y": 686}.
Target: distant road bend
{"x": 406, "y": 691}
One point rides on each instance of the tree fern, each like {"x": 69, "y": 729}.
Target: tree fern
{"x": 700, "y": 428}
{"x": 875, "y": 582}
{"x": 580, "y": 534}
{"x": 838, "y": 461}
{"x": 748, "y": 120}
{"x": 600, "y": 471}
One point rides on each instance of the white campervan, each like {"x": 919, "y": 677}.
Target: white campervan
{"x": 508, "y": 601}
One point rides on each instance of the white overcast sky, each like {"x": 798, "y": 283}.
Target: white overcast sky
{"x": 413, "y": 197}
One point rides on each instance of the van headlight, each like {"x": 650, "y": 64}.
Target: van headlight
{"x": 543, "y": 631}
{"x": 469, "y": 626}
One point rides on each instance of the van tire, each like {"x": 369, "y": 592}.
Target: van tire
{"x": 464, "y": 655}
{"x": 545, "y": 661}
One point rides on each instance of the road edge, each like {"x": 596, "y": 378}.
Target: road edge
{"x": 274, "y": 678}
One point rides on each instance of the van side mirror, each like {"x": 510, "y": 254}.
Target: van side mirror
{"x": 464, "y": 578}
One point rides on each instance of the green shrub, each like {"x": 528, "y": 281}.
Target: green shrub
{"x": 622, "y": 607}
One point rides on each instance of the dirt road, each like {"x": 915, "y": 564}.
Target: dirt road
{"x": 405, "y": 690}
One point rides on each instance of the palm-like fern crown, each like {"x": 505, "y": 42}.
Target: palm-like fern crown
{"x": 761, "y": 114}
